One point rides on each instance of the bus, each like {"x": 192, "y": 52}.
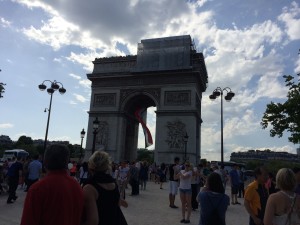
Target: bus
{"x": 9, "y": 154}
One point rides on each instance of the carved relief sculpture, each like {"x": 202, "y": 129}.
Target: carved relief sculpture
{"x": 176, "y": 132}
{"x": 102, "y": 135}
{"x": 108, "y": 99}
{"x": 178, "y": 98}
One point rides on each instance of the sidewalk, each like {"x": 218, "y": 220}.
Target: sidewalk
{"x": 148, "y": 208}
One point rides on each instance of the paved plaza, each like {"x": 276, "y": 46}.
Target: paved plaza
{"x": 151, "y": 207}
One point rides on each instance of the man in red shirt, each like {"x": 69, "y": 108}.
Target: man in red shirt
{"x": 57, "y": 198}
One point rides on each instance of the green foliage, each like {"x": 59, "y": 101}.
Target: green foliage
{"x": 286, "y": 116}
{"x": 2, "y": 89}
{"x": 24, "y": 140}
{"x": 26, "y": 143}
{"x": 145, "y": 155}
{"x": 251, "y": 165}
{"x": 272, "y": 165}
{"x": 40, "y": 149}
{"x": 203, "y": 162}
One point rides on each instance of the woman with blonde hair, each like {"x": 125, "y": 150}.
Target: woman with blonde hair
{"x": 283, "y": 207}
{"x": 185, "y": 189}
{"x": 101, "y": 196}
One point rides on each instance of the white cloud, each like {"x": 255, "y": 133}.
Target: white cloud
{"x": 297, "y": 66}
{"x": 61, "y": 138}
{"x": 73, "y": 103}
{"x": 291, "y": 18}
{"x": 77, "y": 77}
{"x": 85, "y": 83}
{"x": 4, "y": 23}
{"x": 6, "y": 125}
{"x": 56, "y": 33}
{"x": 245, "y": 124}
{"x": 57, "y": 60}
{"x": 80, "y": 98}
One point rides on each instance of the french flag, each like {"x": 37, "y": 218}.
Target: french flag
{"x": 139, "y": 114}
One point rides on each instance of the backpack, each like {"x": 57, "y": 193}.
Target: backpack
{"x": 214, "y": 218}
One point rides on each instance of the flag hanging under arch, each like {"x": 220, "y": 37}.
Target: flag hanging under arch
{"x": 139, "y": 114}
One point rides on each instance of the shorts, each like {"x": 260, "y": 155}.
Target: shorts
{"x": 234, "y": 189}
{"x": 185, "y": 191}
{"x": 173, "y": 187}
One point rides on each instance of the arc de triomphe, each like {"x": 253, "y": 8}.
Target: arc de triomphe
{"x": 167, "y": 73}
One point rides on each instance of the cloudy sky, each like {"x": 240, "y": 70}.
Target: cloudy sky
{"x": 248, "y": 46}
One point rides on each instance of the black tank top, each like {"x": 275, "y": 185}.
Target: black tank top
{"x": 108, "y": 206}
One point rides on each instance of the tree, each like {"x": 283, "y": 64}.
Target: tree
{"x": 24, "y": 140}
{"x": 2, "y": 89}
{"x": 286, "y": 116}
{"x": 26, "y": 143}
{"x": 145, "y": 154}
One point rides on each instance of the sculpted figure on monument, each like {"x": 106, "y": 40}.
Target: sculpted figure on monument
{"x": 102, "y": 136}
{"x": 176, "y": 131}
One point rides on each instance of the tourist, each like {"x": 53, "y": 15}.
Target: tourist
{"x": 241, "y": 189}
{"x": 271, "y": 184}
{"x": 102, "y": 198}
{"x": 297, "y": 174}
{"x": 83, "y": 174}
{"x": 34, "y": 171}
{"x": 25, "y": 172}
{"x": 224, "y": 175}
{"x": 134, "y": 179}
{"x": 122, "y": 178}
{"x": 185, "y": 190}
{"x": 213, "y": 201}
{"x": 162, "y": 173}
{"x": 234, "y": 180}
{"x": 173, "y": 181}
{"x": 283, "y": 207}
{"x": 256, "y": 196}
{"x": 206, "y": 169}
{"x": 143, "y": 175}
{"x": 14, "y": 175}
{"x": 73, "y": 170}
{"x": 195, "y": 187}
{"x": 57, "y": 199}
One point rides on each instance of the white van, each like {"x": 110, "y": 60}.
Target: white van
{"x": 8, "y": 154}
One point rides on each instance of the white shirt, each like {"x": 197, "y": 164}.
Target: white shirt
{"x": 123, "y": 173}
{"x": 82, "y": 173}
{"x": 186, "y": 183}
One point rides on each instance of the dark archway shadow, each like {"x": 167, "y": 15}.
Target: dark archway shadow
{"x": 140, "y": 101}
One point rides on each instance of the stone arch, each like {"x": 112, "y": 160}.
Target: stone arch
{"x": 167, "y": 73}
{"x": 137, "y": 100}
{"x": 128, "y": 95}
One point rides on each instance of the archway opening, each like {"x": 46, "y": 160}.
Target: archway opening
{"x": 140, "y": 117}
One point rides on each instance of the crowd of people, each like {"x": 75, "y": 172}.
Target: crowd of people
{"x": 99, "y": 186}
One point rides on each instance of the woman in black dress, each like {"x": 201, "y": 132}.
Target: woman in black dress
{"x": 102, "y": 198}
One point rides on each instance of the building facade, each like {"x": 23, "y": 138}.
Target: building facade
{"x": 264, "y": 155}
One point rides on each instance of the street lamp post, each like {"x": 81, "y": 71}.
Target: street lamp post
{"x": 216, "y": 93}
{"x": 185, "y": 139}
{"x": 82, "y": 134}
{"x": 95, "y": 131}
{"x": 55, "y": 85}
